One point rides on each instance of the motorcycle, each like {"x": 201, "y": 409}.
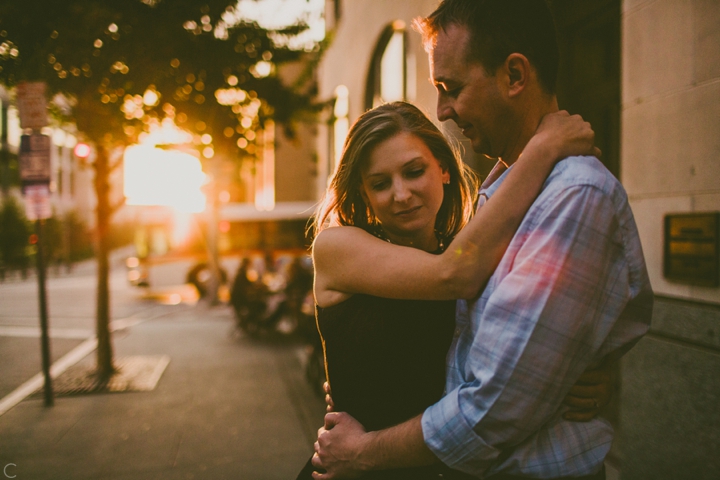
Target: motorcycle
{"x": 271, "y": 303}
{"x": 260, "y": 309}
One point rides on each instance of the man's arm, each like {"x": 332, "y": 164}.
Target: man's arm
{"x": 542, "y": 325}
{"x": 340, "y": 444}
{"x": 345, "y": 450}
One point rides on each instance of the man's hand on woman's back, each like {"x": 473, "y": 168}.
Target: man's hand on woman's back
{"x": 591, "y": 393}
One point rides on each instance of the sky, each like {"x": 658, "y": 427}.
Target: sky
{"x": 272, "y": 14}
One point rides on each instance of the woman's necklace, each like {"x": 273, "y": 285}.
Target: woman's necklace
{"x": 380, "y": 233}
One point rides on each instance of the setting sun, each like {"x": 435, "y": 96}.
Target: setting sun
{"x": 161, "y": 177}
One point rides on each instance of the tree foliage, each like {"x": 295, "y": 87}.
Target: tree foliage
{"x": 106, "y": 54}
{"x": 126, "y": 65}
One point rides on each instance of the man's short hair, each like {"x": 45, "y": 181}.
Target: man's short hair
{"x": 499, "y": 28}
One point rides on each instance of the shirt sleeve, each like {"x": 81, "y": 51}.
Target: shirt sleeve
{"x": 565, "y": 283}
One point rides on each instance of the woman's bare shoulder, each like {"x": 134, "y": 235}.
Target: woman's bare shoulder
{"x": 333, "y": 247}
{"x": 333, "y": 239}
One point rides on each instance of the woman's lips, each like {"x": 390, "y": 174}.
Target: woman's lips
{"x": 408, "y": 211}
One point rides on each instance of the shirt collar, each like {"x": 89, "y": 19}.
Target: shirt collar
{"x": 488, "y": 191}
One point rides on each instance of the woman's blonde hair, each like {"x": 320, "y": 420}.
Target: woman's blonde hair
{"x": 343, "y": 203}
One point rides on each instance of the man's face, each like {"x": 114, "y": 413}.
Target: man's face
{"x": 468, "y": 95}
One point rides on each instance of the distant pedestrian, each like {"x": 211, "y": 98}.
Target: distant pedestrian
{"x": 241, "y": 286}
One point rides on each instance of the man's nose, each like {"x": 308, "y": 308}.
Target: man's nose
{"x": 444, "y": 109}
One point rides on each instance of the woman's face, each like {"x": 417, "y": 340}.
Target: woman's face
{"x": 403, "y": 184}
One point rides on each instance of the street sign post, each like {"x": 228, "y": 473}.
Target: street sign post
{"x": 44, "y": 323}
{"x": 38, "y": 208}
{"x": 34, "y": 160}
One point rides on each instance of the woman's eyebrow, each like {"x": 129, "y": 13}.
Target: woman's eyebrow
{"x": 419, "y": 158}
{"x": 378, "y": 174}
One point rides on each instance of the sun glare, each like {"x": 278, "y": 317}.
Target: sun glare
{"x": 154, "y": 176}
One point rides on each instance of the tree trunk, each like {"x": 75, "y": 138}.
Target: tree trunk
{"x": 4, "y": 154}
{"x": 212, "y": 237}
{"x": 105, "y": 367}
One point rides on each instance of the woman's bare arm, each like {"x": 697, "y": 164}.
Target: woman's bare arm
{"x": 349, "y": 260}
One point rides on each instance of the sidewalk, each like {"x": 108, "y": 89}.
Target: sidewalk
{"x": 226, "y": 406}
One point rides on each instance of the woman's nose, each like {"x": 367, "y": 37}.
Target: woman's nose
{"x": 400, "y": 192}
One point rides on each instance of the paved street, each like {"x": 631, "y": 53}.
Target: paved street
{"x": 71, "y": 309}
{"x": 226, "y": 406}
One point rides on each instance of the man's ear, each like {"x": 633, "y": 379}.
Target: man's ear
{"x": 518, "y": 70}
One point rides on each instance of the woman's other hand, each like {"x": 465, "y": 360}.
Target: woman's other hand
{"x": 592, "y": 392}
{"x": 328, "y": 397}
{"x": 569, "y": 135}
{"x": 337, "y": 447}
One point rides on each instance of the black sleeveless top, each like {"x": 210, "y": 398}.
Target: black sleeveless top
{"x": 385, "y": 361}
{"x": 385, "y": 358}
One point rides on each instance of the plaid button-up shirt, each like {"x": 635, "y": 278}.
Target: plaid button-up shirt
{"x": 571, "y": 291}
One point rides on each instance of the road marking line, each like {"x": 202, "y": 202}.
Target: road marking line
{"x": 123, "y": 323}
{"x": 29, "y": 387}
{"x": 34, "y": 332}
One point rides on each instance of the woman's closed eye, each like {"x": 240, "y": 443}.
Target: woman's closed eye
{"x": 414, "y": 173}
{"x": 382, "y": 185}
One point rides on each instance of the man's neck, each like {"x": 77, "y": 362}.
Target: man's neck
{"x": 528, "y": 123}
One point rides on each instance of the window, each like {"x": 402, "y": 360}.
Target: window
{"x": 392, "y": 70}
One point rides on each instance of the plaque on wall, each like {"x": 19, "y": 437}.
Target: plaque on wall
{"x": 691, "y": 248}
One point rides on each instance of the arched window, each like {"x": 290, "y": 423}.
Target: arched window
{"x": 391, "y": 70}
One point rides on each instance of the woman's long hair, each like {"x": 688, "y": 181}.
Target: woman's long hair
{"x": 343, "y": 204}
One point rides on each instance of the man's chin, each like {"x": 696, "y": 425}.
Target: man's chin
{"x": 481, "y": 148}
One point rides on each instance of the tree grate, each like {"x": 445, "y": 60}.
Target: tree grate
{"x": 134, "y": 374}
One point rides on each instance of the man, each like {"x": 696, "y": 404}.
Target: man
{"x": 570, "y": 292}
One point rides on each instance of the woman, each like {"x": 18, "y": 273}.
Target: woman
{"x": 400, "y": 184}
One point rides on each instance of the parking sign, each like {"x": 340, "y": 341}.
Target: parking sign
{"x": 32, "y": 104}
{"x": 35, "y": 158}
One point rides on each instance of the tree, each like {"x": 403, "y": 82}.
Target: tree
{"x": 14, "y": 233}
{"x": 126, "y": 66}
